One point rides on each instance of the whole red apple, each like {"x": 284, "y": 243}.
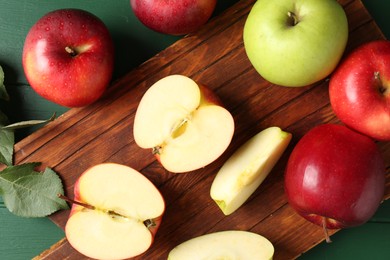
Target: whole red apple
{"x": 335, "y": 177}
{"x": 175, "y": 17}
{"x": 359, "y": 90}
{"x": 68, "y": 57}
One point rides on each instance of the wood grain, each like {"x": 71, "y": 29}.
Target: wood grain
{"x": 214, "y": 56}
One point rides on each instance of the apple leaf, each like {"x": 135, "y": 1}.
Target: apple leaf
{"x": 3, "y": 91}
{"x": 20, "y": 170}
{"x": 28, "y": 123}
{"x": 7, "y": 140}
{"x": 28, "y": 193}
{"x": 7, "y": 137}
{"x": 25, "y": 192}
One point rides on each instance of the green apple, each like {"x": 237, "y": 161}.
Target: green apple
{"x": 295, "y": 43}
{"x": 230, "y": 244}
{"x": 247, "y": 168}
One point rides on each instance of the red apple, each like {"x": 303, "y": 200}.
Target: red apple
{"x": 183, "y": 123}
{"x": 335, "y": 177}
{"x": 116, "y": 212}
{"x": 359, "y": 90}
{"x": 173, "y": 17}
{"x": 68, "y": 57}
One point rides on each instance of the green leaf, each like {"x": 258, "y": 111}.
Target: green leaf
{"x": 28, "y": 193}
{"x": 7, "y": 141}
{"x": 18, "y": 171}
{"x": 3, "y": 91}
{"x": 28, "y": 123}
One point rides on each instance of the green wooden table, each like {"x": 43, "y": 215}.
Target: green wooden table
{"x": 22, "y": 238}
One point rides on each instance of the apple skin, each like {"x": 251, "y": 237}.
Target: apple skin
{"x": 335, "y": 175}
{"x": 69, "y": 79}
{"x": 295, "y": 43}
{"x": 208, "y": 96}
{"x": 173, "y": 17}
{"x": 359, "y": 90}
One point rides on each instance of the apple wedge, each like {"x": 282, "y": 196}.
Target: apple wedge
{"x": 246, "y": 169}
{"x": 115, "y": 214}
{"x": 183, "y": 123}
{"x": 230, "y": 244}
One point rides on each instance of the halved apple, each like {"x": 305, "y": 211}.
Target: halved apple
{"x": 230, "y": 244}
{"x": 246, "y": 169}
{"x": 116, "y": 212}
{"x": 183, "y": 123}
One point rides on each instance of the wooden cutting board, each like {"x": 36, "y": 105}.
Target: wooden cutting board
{"x": 214, "y": 56}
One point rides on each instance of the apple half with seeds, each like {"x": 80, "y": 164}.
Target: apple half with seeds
{"x": 115, "y": 214}
{"x": 184, "y": 123}
{"x": 230, "y": 244}
{"x": 247, "y": 168}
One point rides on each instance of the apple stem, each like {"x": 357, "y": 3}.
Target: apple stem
{"x": 382, "y": 89}
{"x": 75, "y": 202}
{"x": 156, "y": 150}
{"x": 71, "y": 51}
{"x": 293, "y": 18}
{"x": 327, "y": 238}
{"x": 377, "y": 75}
{"x": 149, "y": 223}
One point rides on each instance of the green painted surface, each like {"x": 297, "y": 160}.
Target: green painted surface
{"x": 22, "y": 238}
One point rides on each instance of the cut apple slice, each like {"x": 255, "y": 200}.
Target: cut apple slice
{"x": 247, "y": 168}
{"x": 231, "y": 244}
{"x": 183, "y": 123}
{"x": 117, "y": 213}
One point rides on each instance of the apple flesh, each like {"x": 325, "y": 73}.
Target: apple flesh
{"x": 335, "y": 177}
{"x": 68, "y": 57}
{"x": 359, "y": 90}
{"x": 173, "y": 17}
{"x": 230, "y": 244}
{"x": 295, "y": 43}
{"x": 183, "y": 123}
{"x": 247, "y": 168}
{"x": 116, "y": 214}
